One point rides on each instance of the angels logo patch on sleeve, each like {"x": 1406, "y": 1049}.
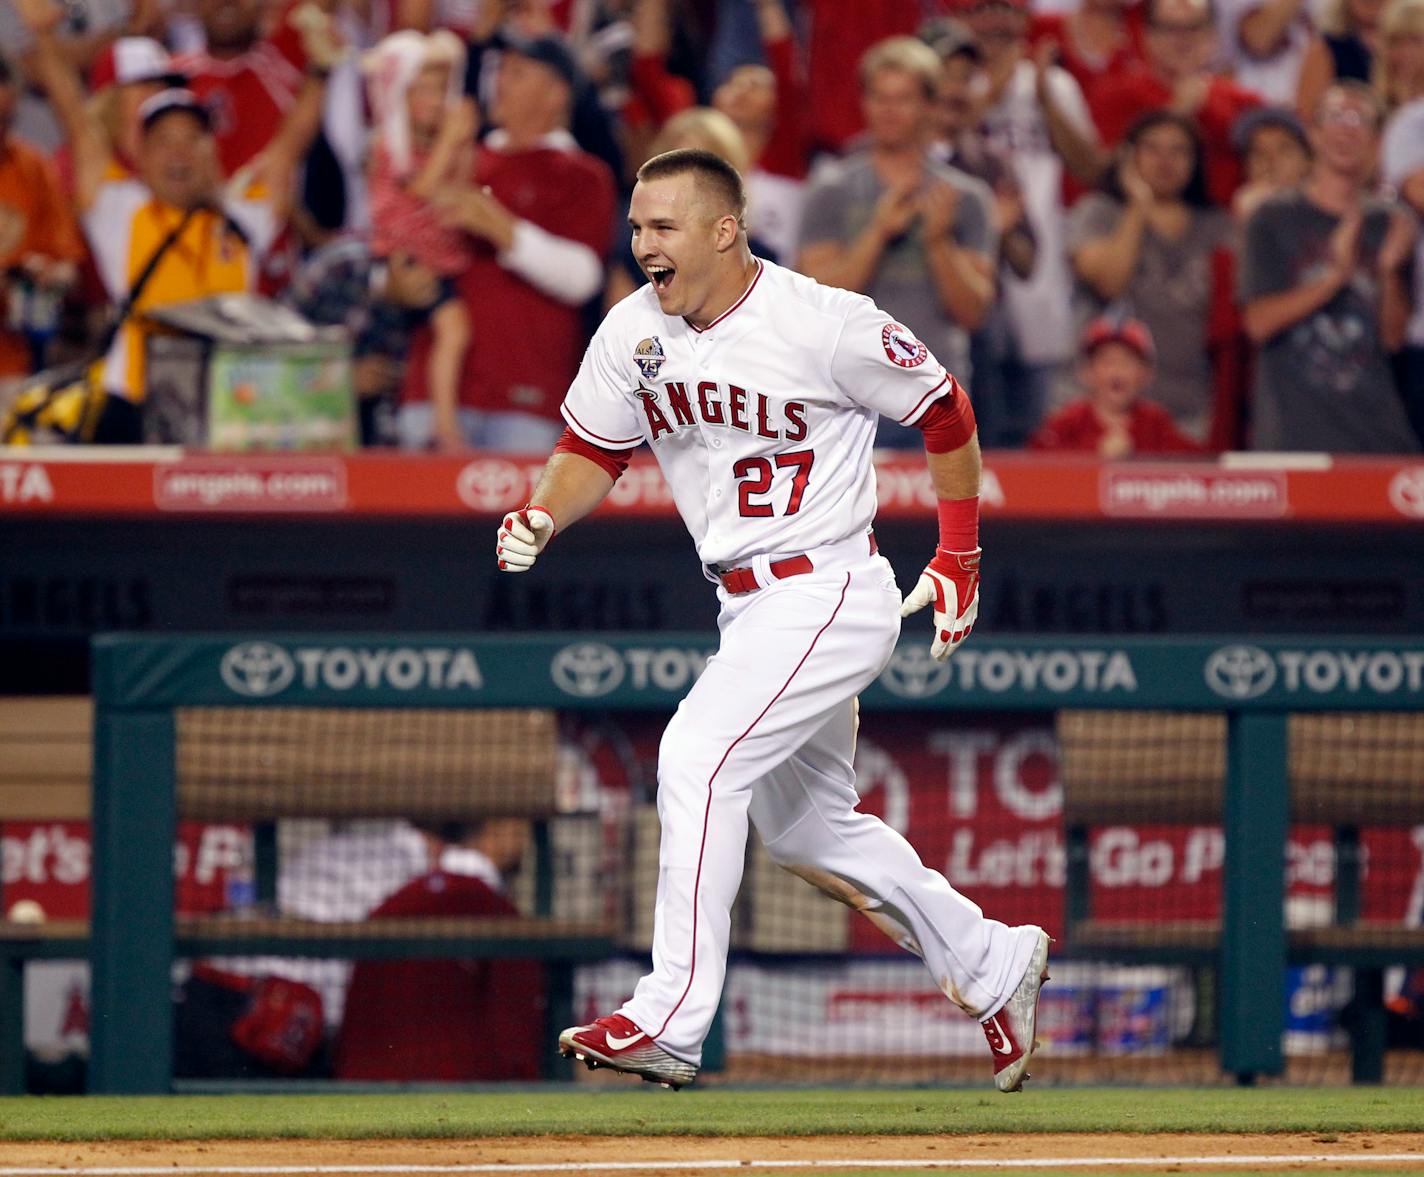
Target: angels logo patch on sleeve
{"x": 901, "y": 347}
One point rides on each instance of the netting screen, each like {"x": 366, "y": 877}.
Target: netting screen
{"x": 471, "y": 869}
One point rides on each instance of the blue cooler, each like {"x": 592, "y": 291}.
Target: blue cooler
{"x": 1315, "y": 995}
{"x": 1132, "y": 1011}
{"x": 1066, "y": 1019}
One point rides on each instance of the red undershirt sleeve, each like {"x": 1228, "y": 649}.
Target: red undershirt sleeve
{"x": 948, "y": 422}
{"x": 614, "y": 462}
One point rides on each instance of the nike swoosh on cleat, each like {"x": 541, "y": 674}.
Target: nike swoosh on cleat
{"x": 615, "y": 1043}
{"x": 1005, "y": 1048}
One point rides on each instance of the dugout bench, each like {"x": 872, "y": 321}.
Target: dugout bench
{"x": 1346, "y": 771}
{"x": 256, "y": 768}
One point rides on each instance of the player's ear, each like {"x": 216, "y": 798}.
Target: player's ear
{"x": 726, "y": 232}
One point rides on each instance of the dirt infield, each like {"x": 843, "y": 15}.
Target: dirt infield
{"x": 1161, "y": 1153}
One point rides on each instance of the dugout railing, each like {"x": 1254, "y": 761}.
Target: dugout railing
{"x": 1260, "y": 687}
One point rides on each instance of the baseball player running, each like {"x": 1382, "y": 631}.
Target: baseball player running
{"x": 757, "y": 390}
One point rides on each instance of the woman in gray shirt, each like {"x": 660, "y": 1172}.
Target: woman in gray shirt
{"x": 1144, "y": 246}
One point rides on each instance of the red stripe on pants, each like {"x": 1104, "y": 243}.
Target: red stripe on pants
{"x": 707, "y": 811}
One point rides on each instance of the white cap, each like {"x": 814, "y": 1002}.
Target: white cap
{"x": 134, "y": 59}
{"x": 173, "y": 99}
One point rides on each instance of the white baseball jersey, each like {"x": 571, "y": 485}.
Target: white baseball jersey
{"x": 764, "y": 421}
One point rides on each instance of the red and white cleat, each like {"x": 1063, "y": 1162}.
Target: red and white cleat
{"x": 616, "y": 1042}
{"x": 1011, "y": 1030}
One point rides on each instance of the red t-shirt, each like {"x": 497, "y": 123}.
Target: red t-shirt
{"x": 525, "y": 346}
{"x": 788, "y": 151}
{"x": 1118, "y": 102}
{"x": 1130, "y": 55}
{"x": 655, "y": 93}
{"x": 1075, "y": 427}
{"x": 248, "y": 96}
{"x": 443, "y": 1020}
{"x": 840, "y": 34}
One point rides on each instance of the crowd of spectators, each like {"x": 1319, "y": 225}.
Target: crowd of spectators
{"x": 1128, "y": 226}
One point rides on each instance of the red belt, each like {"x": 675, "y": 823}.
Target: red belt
{"x": 743, "y": 580}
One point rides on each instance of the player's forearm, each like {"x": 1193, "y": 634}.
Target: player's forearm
{"x": 1106, "y": 263}
{"x": 445, "y": 401}
{"x": 956, "y": 474}
{"x": 1263, "y": 30}
{"x": 1079, "y": 150}
{"x": 570, "y": 487}
{"x": 772, "y": 21}
{"x": 1018, "y": 248}
{"x": 432, "y": 175}
{"x": 963, "y": 280}
{"x": 302, "y": 122}
{"x": 652, "y": 29}
{"x": 80, "y": 51}
{"x": 1317, "y": 71}
{"x": 1265, "y": 318}
{"x": 60, "y": 82}
{"x": 1411, "y": 191}
{"x": 852, "y": 267}
{"x": 415, "y": 14}
{"x": 51, "y": 71}
{"x": 294, "y": 136}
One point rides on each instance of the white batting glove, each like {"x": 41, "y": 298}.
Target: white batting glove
{"x": 522, "y": 536}
{"x": 951, "y": 584}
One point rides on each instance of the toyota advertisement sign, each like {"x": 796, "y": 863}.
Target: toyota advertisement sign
{"x": 652, "y": 671}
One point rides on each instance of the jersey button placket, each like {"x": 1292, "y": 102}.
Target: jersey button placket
{"x": 712, "y": 442}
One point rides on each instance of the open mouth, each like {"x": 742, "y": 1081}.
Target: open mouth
{"x": 661, "y": 277}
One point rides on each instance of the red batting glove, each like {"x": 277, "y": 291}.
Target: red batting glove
{"x": 951, "y": 583}
{"x": 522, "y": 536}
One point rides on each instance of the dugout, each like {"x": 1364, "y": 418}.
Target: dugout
{"x": 142, "y": 683}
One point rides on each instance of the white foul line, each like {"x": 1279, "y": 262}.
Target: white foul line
{"x": 690, "y": 1166}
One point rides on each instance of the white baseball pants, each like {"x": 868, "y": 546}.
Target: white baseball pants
{"x": 768, "y": 734}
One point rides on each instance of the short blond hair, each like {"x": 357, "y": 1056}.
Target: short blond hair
{"x": 907, "y": 55}
{"x": 1403, "y": 18}
{"x": 718, "y": 179}
{"x": 709, "y": 129}
{"x": 1335, "y": 19}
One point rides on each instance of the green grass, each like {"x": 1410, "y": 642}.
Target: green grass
{"x": 650, "y": 1112}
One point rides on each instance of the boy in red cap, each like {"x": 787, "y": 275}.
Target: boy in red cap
{"x": 1114, "y": 420}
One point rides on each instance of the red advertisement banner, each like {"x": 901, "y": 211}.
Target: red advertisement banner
{"x": 169, "y": 482}
{"x": 48, "y": 863}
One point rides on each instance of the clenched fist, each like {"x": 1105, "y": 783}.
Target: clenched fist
{"x": 522, "y": 536}
{"x": 951, "y": 584}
